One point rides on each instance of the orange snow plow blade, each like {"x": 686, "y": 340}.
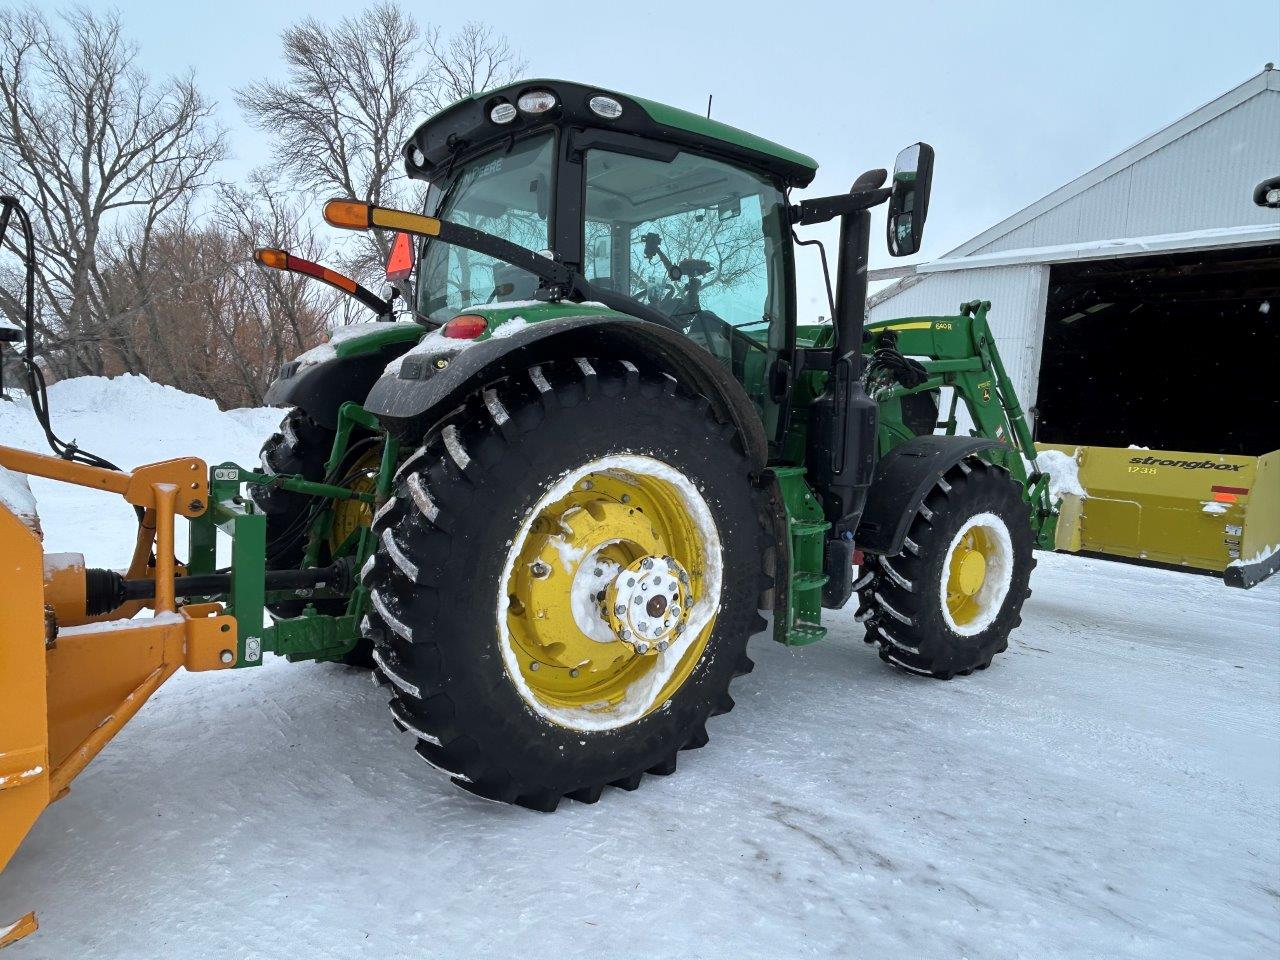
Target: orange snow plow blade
{"x": 69, "y": 682}
{"x": 24, "y": 726}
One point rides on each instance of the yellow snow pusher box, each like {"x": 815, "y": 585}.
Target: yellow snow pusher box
{"x": 1199, "y": 510}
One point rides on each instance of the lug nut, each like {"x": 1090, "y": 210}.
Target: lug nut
{"x": 620, "y": 609}
{"x": 626, "y": 634}
{"x": 646, "y": 563}
{"x": 642, "y": 627}
{"x": 540, "y": 569}
{"x": 642, "y": 647}
{"x": 662, "y": 646}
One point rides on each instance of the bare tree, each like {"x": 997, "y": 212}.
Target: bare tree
{"x": 100, "y": 152}
{"x": 352, "y": 94}
{"x": 222, "y": 326}
{"x": 474, "y": 59}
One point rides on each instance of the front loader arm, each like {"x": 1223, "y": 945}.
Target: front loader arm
{"x": 961, "y": 352}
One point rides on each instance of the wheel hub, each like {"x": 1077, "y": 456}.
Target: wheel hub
{"x": 607, "y": 591}
{"x": 971, "y": 572}
{"x": 648, "y": 603}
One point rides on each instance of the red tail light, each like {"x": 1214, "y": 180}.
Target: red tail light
{"x": 465, "y": 327}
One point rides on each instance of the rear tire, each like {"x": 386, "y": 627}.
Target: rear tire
{"x": 936, "y": 610}
{"x": 445, "y": 622}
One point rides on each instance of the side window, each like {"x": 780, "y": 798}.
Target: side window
{"x": 701, "y": 241}
{"x": 688, "y": 236}
{"x": 507, "y": 194}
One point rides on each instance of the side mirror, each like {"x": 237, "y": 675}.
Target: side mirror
{"x": 909, "y": 202}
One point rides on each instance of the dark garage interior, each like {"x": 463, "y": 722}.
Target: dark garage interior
{"x": 1173, "y": 352}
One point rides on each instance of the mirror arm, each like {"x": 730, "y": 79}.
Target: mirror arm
{"x": 822, "y": 209}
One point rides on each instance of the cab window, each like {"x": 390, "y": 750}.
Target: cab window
{"x": 506, "y": 193}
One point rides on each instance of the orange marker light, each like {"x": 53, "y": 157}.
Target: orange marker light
{"x": 348, "y": 214}
{"x": 269, "y": 257}
{"x": 468, "y": 326}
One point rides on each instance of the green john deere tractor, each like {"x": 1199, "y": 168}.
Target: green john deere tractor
{"x": 602, "y": 444}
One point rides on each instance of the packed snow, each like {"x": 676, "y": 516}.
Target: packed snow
{"x": 1109, "y": 788}
{"x": 1063, "y": 471}
{"x": 15, "y": 493}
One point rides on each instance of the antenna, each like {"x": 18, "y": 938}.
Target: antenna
{"x": 708, "y": 106}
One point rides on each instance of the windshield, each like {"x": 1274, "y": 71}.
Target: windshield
{"x": 506, "y": 193}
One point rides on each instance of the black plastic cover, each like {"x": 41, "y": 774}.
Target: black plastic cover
{"x": 410, "y": 401}
{"x": 903, "y": 478}
{"x": 320, "y": 389}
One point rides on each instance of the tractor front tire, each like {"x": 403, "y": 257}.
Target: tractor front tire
{"x": 512, "y": 613}
{"x": 946, "y": 605}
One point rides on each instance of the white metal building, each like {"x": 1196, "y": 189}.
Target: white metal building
{"x": 1129, "y": 300}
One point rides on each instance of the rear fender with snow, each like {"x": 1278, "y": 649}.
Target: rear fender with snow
{"x": 903, "y": 478}
{"x": 322, "y": 380}
{"x": 431, "y": 380}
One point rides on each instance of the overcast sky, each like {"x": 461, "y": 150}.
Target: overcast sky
{"x": 1016, "y": 97}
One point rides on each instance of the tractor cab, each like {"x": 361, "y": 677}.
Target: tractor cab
{"x": 656, "y": 208}
{"x": 653, "y": 212}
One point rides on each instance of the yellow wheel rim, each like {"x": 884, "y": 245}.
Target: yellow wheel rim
{"x": 609, "y": 594}
{"x": 976, "y": 573}
{"x": 351, "y": 515}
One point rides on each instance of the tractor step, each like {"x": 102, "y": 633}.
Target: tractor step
{"x": 799, "y": 623}
{"x": 808, "y": 581}
{"x": 802, "y": 634}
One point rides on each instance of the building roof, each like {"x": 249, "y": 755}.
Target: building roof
{"x": 1126, "y": 200}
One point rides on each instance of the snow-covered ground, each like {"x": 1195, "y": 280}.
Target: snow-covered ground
{"x": 1110, "y": 788}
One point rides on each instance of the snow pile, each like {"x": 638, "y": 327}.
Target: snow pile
{"x": 1063, "y": 472}
{"x": 130, "y": 421}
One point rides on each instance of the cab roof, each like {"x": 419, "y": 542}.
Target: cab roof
{"x": 464, "y": 129}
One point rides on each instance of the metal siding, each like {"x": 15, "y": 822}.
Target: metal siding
{"x": 1018, "y": 296}
{"x": 1202, "y": 180}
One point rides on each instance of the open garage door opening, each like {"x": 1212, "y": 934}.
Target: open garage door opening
{"x": 1173, "y": 352}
